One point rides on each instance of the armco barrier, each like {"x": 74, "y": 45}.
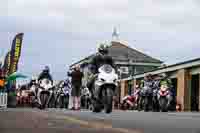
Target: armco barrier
{"x": 3, "y": 100}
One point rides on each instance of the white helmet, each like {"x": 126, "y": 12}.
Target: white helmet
{"x": 33, "y": 78}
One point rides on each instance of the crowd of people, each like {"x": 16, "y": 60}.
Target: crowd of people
{"x": 76, "y": 75}
{"x": 149, "y": 86}
{"x": 153, "y": 87}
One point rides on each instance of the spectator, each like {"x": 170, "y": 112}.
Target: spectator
{"x": 76, "y": 80}
{"x": 2, "y": 78}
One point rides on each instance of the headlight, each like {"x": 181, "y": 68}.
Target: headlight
{"x": 115, "y": 80}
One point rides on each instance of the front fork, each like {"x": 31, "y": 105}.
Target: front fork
{"x": 39, "y": 94}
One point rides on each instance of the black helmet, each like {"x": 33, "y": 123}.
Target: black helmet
{"x": 103, "y": 49}
{"x": 46, "y": 69}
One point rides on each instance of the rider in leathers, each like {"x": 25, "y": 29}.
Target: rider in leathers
{"x": 146, "y": 83}
{"x": 33, "y": 82}
{"x": 165, "y": 81}
{"x": 45, "y": 74}
{"x": 100, "y": 59}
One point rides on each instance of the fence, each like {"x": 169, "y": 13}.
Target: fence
{"x": 3, "y": 100}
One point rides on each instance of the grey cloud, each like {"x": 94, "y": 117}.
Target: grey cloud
{"x": 72, "y": 28}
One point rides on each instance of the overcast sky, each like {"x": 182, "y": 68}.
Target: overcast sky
{"x": 60, "y": 32}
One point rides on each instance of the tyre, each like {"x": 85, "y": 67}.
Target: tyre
{"x": 155, "y": 105}
{"x": 163, "y": 104}
{"x": 96, "y": 107}
{"x": 140, "y": 104}
{"x": 146, "y": 104}
{"x": 51, "y": 102}
{"x": 59, "y": 102}
{"x": 108, "y": 100}
{"x": 82, "y": 101}
{"x": 66, "y": 101}
{"x": 44, "y": 98}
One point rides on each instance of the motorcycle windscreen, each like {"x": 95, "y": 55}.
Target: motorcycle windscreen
{"x": 106, "y": 68}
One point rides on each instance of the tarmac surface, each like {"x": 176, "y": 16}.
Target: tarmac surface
{"x": 26, "y": 120}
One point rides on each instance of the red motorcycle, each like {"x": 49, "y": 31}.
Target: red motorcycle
{"x": 164, "y": 98}
{"x": 130, "y": 102}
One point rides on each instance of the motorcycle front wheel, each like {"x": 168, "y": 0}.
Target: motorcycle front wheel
{"x": 163, "y": 104}
{"x": 147, "y": 103}
{"x": 108, "y": 100}
{"x": 96, "y": 106}
{"x": 44, "y": 98}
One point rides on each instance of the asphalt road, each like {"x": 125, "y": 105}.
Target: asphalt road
{"x": 63, "y": 121}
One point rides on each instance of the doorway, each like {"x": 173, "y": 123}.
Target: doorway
{"x": 195, "y": 93}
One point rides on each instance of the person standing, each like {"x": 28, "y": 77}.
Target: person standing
{"x": 76, "y": 80}
{"x": 2, "y": 78}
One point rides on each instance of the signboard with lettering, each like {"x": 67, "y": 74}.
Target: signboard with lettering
{"x": 16, "y": 52}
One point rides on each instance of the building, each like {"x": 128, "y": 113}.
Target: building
{"x": 185, "y": 77}
{"x": 129, "y": 61}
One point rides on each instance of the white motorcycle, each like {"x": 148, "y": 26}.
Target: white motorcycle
{"x": 45, "y": 92}
{"x": 86, "y": 98}
{"x": 62, "y": 96}
{"x": 33, "y": 94}
{"x": 104, "y": 88}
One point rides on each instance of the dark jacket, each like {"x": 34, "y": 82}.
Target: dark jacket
{"x": 44, "y": 75}
{"x": 76, "y": 77}
{"x": 100, "y": 60}
{"x": 32, "y": 83}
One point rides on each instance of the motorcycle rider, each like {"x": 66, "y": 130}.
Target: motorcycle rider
{"x": 98, "y": 60}
{"x": 136, "y": 92}
{"x": 164, "y": 79}
{"x": 146, "y": 83}
{"x": 156, "y": 87}
{"x": 166, "y": 82}
{"x": 33, "y": 82}
{"x": 45, "y": 74}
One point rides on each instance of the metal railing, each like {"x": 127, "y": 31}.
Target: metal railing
{"x": 3, "y": 100}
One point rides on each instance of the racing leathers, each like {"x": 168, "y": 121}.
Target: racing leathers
{"x": 95, "y": 64}
{"x": 45, "y": 75}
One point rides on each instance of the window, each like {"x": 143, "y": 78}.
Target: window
{"x": 124, "y": 70}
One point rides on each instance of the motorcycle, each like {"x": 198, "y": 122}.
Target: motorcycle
{"x": 62, "y": 96}
{"x": 33, "y": 95}
{"x": 131, "y": 101}
{"x": 164, "y": 98}
{"x": 104, "y": 87}
{"x": 86, "y": 98}
{"x": 146, "y": 98}
{"x": 45, "y": 93}
{"x": 155, "y": 103}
